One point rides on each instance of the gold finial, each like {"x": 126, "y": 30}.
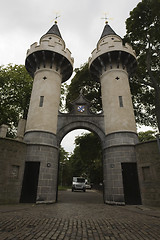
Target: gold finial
{"x": 106, "y": 18}
{"x": 55, "y": 19}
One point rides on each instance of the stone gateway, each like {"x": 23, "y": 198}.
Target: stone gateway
{"x": 50, "y": 63}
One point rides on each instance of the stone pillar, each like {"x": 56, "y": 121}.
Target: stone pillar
{"x": 49, "y": 63}
{"x": 21, "y": 129}
{"x": 119, "y": 148}
{"x": 111, "y": 63}
{"x": 3, "y": 130}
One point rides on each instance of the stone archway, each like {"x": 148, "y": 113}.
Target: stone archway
{"x": 80, "y": 117}
{"x": 80, "y": 120}
{"x": 79, "y": 125}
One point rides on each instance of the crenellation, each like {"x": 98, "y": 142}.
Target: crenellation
{"x": 112, "y": 44}
{"x": 51, "y": 46}
{"x": 35, "y": 44}
{"x": 103, "y": 43}
{"x": 117, "y": 40}
{"x": 59, "y": 43}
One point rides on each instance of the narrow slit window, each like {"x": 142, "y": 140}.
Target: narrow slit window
{"x": 120, "y": 101}
{"x": 41, "y": 101}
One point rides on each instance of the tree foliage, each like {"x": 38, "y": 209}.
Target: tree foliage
{"x": 86, "y": 159}
{"x": 146, "y": 136}
{"x": 64, "y": 168}
{"x": 143, "y": 33}
{"x": 64, "y": 92}
{"x": 15, "y": 91}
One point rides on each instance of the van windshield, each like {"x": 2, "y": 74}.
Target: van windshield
{"x": 81, "y": 180}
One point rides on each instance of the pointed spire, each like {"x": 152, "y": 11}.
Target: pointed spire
{"x": 107, "y": 31}
{"x": 54, "y": 30}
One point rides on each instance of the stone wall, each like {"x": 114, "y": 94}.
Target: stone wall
{"x": 148, "y": 161}
{"x": 12, "y": 159}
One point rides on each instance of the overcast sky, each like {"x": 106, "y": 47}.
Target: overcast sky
{"x": 23, "y": 22}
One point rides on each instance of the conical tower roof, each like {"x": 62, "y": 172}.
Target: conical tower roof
{"x": 54, "y": 30}
{"x": 107, "y": 31}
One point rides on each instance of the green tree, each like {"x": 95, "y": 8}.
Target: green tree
{"x": 64, "y": 92}
{"x": 76, "y": 165}
{"x": 15, "y": 90}
{"x": 91, "y": 89}
{"x": 87, "y": 158}
{"x": 146, "y": 136}
{"x": 64, "y": 168}
{"x": 143, "y": 33}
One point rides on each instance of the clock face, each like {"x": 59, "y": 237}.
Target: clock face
{"x": 81, "y": 108}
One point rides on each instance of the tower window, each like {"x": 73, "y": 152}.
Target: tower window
{"x": 41, "y": 101}
{"x": 120, "y": 101}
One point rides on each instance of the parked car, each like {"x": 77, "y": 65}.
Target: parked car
{"x": 88, "y": 186}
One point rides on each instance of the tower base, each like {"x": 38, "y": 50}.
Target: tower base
{"x": 119, "y": 148}
{"x": 41, "y": 168}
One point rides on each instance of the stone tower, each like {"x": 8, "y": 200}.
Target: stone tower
{"x": 111, "y": 63}
{"x": 49, "y": 63}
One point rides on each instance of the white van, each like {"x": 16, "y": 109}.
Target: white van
{"x": 78, "y": 183}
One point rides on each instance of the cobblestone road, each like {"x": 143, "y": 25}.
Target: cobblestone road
{"x": 79, "y": 216}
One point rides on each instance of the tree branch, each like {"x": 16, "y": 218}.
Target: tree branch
{"x": 142, "y": 81}
{"x": 148, "y": 64}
